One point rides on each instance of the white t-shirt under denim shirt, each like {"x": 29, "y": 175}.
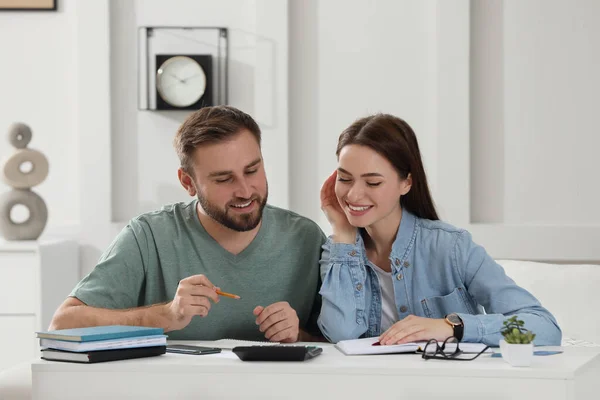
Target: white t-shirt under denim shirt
{"x": 389, "y": 313}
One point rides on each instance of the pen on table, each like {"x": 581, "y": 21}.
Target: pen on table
{"x": 233, "y": 296}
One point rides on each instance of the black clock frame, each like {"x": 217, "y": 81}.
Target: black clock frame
{"x": 206, "y": 100}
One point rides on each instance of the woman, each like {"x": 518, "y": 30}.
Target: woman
{"x": 392, "y": 269}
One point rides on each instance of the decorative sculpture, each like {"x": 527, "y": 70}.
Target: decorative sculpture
{"x": 24, "y": 169}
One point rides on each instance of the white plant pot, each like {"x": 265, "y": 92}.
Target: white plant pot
{"x": 517, "y": 355}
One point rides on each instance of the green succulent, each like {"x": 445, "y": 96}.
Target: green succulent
{"x": 515, "y": 333}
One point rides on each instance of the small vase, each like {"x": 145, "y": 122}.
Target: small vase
{"x": 517, "y": 355}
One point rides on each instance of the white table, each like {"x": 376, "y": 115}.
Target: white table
{"x": 575, "y": 374}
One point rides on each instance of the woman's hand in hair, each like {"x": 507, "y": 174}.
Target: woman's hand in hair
{"x": 343, "y": 232}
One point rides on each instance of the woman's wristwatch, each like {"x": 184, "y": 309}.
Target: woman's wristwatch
{"x": 457, "y": 325}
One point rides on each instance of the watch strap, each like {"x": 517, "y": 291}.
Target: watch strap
{"x": 459, "y": 331}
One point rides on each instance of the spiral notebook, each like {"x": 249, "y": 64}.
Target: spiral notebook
{"x": 229, "y": 344}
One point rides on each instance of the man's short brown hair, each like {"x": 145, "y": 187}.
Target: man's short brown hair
{"x": 210, "y": 125}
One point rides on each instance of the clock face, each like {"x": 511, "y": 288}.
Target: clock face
{"x": 180, "y": 81}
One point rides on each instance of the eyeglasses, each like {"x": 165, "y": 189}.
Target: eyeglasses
{"x": 448, "y": 350}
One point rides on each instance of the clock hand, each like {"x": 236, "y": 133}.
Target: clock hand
{"x": 176, "y": 77}
{"x": 190, "y": 77}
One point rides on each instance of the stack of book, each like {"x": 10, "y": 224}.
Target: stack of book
{"x": 102, "y": 343}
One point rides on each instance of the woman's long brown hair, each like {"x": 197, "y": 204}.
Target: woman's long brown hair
{"x": 395, "y": 140}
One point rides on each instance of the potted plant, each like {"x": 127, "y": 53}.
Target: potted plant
{"x": 517, "y": 346}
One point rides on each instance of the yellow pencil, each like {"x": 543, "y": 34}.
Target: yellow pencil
{"x": 233, "y": 296}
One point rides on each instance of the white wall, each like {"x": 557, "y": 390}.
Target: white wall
{"x": 534, "y": 86}
{"x": 144, "y": 168}
{"x": 38, "y": 86}
{"x": 408, "y": 58}
{"x": 487, "y": 111}
{"x": 144, "y": 165}
{"x": 110, "y": 161}
{"x": 551, "y": 63}
{"x": 534, "y": 135}
{"x": 501, "y": 95}
{"x": 54, "y": 76}
{"x": 370, "y": 57}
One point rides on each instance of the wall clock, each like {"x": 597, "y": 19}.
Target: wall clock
{"x": 182, "y": 68}
{"x": 183, "y": 81}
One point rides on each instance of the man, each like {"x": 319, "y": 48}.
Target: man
{"x": 165, "y": 267}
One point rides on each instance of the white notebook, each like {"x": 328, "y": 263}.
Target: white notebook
{"x": 231, "y": 343}
{"x": 365, "y": 346}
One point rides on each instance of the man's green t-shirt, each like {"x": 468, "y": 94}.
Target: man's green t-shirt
{"x": 146, "y": 261}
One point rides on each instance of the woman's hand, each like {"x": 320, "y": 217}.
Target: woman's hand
{"x": 343, "y": 232}
{"x": 413, "y": 329}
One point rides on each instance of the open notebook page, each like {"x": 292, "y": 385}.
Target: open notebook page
{"x": 365, "y": 346}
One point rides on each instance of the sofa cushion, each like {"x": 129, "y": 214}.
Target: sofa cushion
{"x": 571, "y": 292}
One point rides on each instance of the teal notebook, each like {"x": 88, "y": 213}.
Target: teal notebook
{"x": 93, "y": 333}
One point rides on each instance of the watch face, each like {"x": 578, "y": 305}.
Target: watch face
{"x": 180, "y": 81}
{"x": 454, "y": 319}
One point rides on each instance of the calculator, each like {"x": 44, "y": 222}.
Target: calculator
{"x": 277, "y": 353}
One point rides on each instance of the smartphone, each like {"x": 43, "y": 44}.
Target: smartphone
{"x": 189, "y": 349}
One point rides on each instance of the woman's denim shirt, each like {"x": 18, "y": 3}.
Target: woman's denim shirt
{"x": 436, "y": 270}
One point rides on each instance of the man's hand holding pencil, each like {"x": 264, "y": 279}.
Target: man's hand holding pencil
{"x": 193, "y": 297}
{"x": 278, "y": 321}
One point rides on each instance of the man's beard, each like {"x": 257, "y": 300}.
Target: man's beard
{"x": 237, "y": 222}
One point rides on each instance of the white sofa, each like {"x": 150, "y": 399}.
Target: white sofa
{"x": 570, "y": 292}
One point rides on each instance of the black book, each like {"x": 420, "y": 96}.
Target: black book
{"x": 103, "y": 355}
